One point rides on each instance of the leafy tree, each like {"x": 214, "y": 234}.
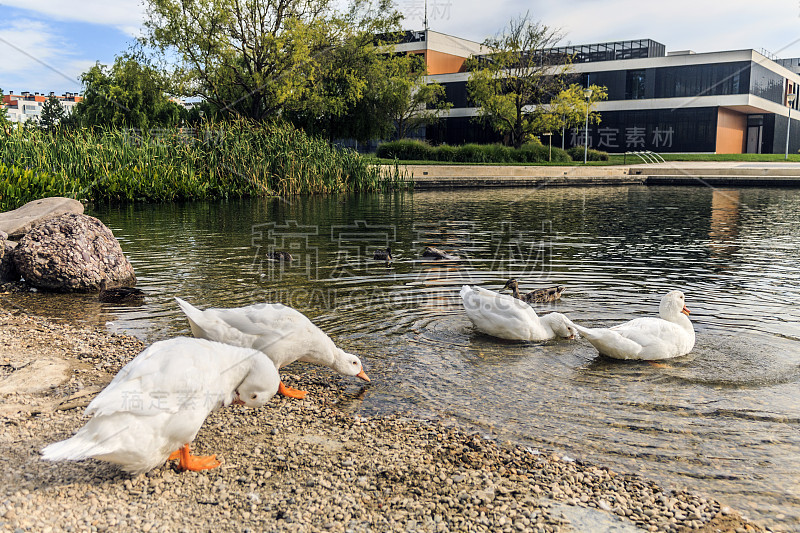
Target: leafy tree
{"x": 366, "y": 94}
{"x": 256, "y": 57}
{"x": 129, "y": 94}
{"x": 52, "y": 113}
{"x": 511, "y": 84}
{"x": 568, "y": 109}
{"x": 411, "y": 102}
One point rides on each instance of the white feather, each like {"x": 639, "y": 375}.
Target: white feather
{"x": 159, "y": 400}
{"x": 649, "y": 338}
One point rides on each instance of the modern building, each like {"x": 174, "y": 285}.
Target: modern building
{"x": 725, "y": 102}
{"x": 26, "y": 106}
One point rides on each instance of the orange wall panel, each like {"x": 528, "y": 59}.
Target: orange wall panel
{"x": 441, "y": 63}
{"x": 731, "y": 131}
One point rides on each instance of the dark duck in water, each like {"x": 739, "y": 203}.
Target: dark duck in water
{"x": 548, "y": 294}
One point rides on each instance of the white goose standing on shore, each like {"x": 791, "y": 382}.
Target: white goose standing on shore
{"x": 284, "y": 334}
{"x": 157, "y": 403}
{"x": 649, "y": 338}
{"x": 505, "y": 317}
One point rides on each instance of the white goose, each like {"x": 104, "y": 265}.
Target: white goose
{"x": 505, "y": 317}
{"x": 284, "y": 334}
{"x": 650, "y": 338}
{"x": 158, "y": 402}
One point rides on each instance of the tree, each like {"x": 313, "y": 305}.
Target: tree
{"x": 568, "y": 109}
{"x": 255, "y": 57}
{"x": 130, "y": 94}
{"x": 369, "y": 94}
{"x": 52, "y": 113}
{"x": 512, "y": 82}
{"x": 412, "y": 102}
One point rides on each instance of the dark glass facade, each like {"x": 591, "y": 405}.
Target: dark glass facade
{"x": 680, "y": 129}
{"x": 659, "y": 130}
{"x": 766, "y": 84}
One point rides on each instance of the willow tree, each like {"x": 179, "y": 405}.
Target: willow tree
{"x": 511, "y": 83}
{"x": 253, "y": 57}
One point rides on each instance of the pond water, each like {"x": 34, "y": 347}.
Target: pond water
{"x": 723, "y": 420}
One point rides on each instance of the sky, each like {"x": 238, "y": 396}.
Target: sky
{"x": 46, "y": 44}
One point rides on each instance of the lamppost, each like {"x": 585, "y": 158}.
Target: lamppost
{"x": 587, "y": 92}
{"x": 790, "y": 100}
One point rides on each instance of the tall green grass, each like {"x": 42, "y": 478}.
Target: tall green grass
{"x": 232, "y": 159}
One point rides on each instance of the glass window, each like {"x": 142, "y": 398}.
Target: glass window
{"x": 634, "y": 84}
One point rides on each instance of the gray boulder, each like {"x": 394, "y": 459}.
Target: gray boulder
{"x": 72, "y": 253}
{"x": 19, "y": 221}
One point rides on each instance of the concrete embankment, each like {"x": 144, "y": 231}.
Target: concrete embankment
{"x": 670, "y": 173}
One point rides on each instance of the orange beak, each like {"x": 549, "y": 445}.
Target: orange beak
{"x": 362, "y": 375}
{"x": 237, "y": 400}
{"x": 685, "y": 311}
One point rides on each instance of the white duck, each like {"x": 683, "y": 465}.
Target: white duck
{"x": 158, "y": 402}
{"x": 503, "y": 316}
{"x": 284, "y": 334}
{"x": 649, "y": 338}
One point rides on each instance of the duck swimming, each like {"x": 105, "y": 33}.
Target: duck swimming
{"x": 436, "y": 253}
{"x": 119, "y": 294}
{"x": 648, "y": 338}
{"x": 505, "y": 317}
{"x": 549, "y": 294}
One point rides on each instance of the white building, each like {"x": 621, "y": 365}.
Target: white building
{"x": 26, "y": 106}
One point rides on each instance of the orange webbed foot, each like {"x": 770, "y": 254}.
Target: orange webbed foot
{"x": 196, "y": 462}
{"x": 290, "y": 392}
{"x": 658, "y": 365}
{"x": 174, "y": 456}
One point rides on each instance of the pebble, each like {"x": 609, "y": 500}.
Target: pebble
{"x": 308, "y": 466}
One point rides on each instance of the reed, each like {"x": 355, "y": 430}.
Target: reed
{"x": 224, "y": 160}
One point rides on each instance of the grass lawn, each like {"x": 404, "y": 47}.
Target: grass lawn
{"x": 619, "y": 159}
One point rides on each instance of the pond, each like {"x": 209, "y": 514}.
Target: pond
{"x": 723, "y": 420}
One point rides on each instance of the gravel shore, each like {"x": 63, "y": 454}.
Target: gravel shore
{"x": 296, "y": 465}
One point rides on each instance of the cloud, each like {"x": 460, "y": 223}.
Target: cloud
{"x": 125, "y": 15}
{"x": 701, "y": 25}
{"x": 34, "y": 56}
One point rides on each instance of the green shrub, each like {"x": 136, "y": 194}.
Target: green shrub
{"x": 471, "y": 153}
{"x": 405, "y": 149}
{"x": 445, "y": 152}
{"x": 577, "y": 153}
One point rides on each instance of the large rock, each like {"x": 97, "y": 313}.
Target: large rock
{"x": 72, "y": 252}
{"x": 19, "y": 221}
{"x": 8, "y": 270}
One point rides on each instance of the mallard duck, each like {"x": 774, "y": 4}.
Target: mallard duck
{"x": 284, "y": 334}
{"x": 649, "y": 338}
{"x": 278, "y": 255}
{"x": 383, "y": 255}
{"x": 158, "y": 402}
{"x": 436, "y": 253}
{"x": 119, "y": 294}
{"x": 506, "y": 317}
{"x": 549, "y": 294}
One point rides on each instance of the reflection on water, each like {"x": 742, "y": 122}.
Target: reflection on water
{"x": 722, "y": 419}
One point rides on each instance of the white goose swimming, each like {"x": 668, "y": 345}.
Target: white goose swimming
{"x": 649, "y": 338}
{"x": 284, "y": 334}
{"x": 157, "y": 403}
{"x": 505, "y": 317}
